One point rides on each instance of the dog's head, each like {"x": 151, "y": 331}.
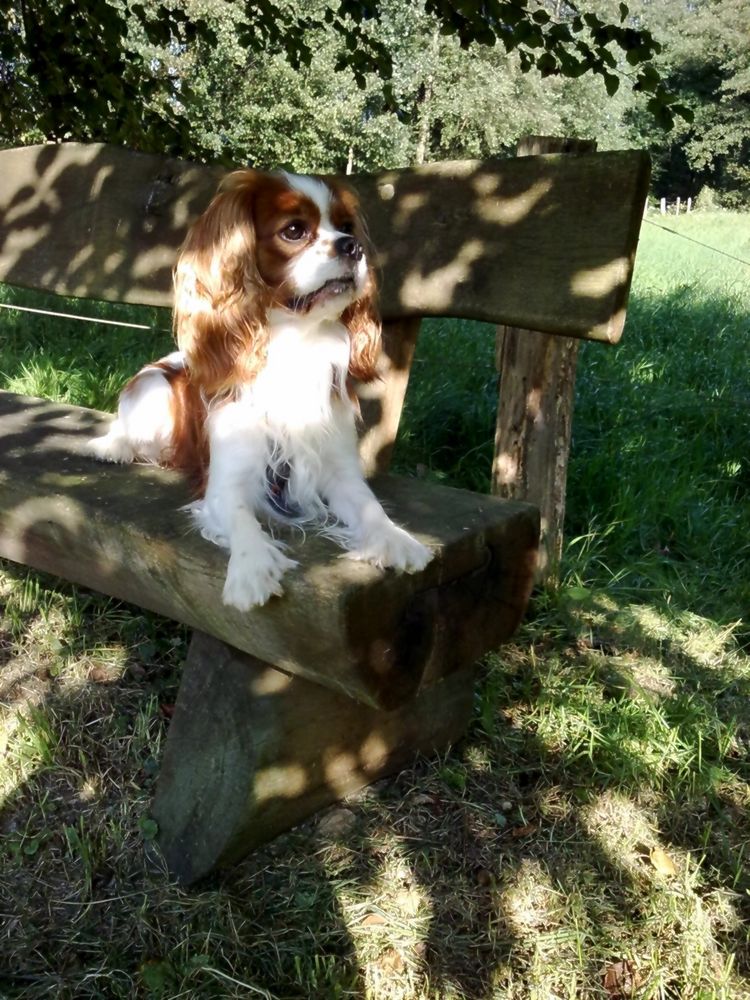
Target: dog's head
{"x": 272, "y": 245}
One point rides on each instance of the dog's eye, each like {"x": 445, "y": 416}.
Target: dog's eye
{"x": 347, "y": 228}
{"x": 294, "y": 231}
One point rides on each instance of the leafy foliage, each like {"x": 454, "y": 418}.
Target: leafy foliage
{"x": 372, "y": 83}
{"x": 707, "y": 63}
{"x": 72, "y": 70}
{"x": 90, "y": 70}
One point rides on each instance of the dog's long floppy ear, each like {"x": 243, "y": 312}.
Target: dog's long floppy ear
{"x": 362, "y": 317}
{"x": 362, "y": 320}
{"x": 220, "y": 307}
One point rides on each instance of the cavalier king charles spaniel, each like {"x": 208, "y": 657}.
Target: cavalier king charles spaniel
{"x": 274, "y": 320}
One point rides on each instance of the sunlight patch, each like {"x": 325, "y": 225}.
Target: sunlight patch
{"x": 530, "y": 902}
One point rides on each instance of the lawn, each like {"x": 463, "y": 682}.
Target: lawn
{"x": 587, "y": 839}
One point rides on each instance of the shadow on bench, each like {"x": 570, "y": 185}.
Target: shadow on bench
{"x": 286, "y": 708}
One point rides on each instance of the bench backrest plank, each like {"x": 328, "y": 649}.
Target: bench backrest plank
{"x": 513, "y": 241}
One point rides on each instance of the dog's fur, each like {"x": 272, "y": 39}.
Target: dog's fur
{"x": 274, "y": 318}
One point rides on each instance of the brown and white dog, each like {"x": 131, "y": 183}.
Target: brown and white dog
{"x": 274, "y": 316}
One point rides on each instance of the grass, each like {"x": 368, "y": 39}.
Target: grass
{"x": 589, "y": 837}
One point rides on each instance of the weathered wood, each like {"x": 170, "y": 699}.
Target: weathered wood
{"x": 535, "y": 408}
{"x": 511, "y": 241}
{"x": 373, "y": 634}
{"x": 533, "y": 431}
{"x": 383, "y": 400}
{"x": 251, "y": 751}
{"x": 373, "y": 666}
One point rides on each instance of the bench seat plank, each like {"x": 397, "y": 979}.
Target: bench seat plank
{"x": 374, "y": 635}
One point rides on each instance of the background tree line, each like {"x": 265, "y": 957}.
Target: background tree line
{"x": 186, "y": 76}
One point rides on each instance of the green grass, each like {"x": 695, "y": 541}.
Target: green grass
{"x": 79, "y": 362}
{"x": 523, "y": 865}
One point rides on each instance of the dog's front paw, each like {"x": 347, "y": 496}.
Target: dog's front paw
{"x": 391, "y": 546}
{"x": 110, "y": 448}
{"x": 254, "y": 575}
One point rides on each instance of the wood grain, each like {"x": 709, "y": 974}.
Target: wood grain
{"x": 544, "y": 242}
{"x": 373, "y": 634}
{"x": 251, "y": 751}
{"x": 382, "y": 401}
{"x": 535, "y": 408}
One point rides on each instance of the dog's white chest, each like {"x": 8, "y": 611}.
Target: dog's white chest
{"x": 304, "y": 370}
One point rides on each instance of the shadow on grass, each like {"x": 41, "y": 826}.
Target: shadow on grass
{"x": 520, "y": 861}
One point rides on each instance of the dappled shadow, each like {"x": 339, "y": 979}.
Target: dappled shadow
{"x": 120, "y": 530}
{"x": 485, "y": 240}
{"x": 95, "y": 221}
{"x": 466, "y": 242}
{"x": 475, "y": 875}
{"x": 548, "y": 878}
{"x": 492, "y": 240}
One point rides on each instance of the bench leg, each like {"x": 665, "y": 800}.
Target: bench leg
{"x": 251, "y": 751}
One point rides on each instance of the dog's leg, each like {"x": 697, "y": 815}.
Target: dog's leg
{"x": 256, "y": 561}
{"x": 143, "y": 426}
{"x": 373, "y": 535}
{"x": 227, "y": 512}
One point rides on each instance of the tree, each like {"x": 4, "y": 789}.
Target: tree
{"x": 81, "y": 68}
{"x": 706, "y": 61}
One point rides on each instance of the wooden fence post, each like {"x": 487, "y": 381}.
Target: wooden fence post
{"x": 535, "y": 408}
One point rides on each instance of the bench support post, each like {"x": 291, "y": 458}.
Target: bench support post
{"x": 535, "y": 408}
{"x": 251, "y": 751}
{"x": 382, "y": 401}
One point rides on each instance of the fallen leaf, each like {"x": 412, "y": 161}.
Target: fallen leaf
{"x": 100, "y": 674}
{"x": 523, "y": 831}
{"x": 374, "y": 920}
{"x": 662, "y": 861}
{"x": 391, "y": 961}
{"x": 484, "y": 877}
{"x": 337, "y": 823}
{"x": 621, "y": 979}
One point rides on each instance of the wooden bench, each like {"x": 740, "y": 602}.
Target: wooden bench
{"x": 289, "y": 707}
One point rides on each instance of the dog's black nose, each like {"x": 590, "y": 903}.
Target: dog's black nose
{"x": 347, "y": 246}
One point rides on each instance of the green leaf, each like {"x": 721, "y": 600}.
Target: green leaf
{"x": 547, "y": 64}
{"x": 149, "y": 828}
{"x": 30, "y": 847}
{"x": 612, "y": 83}
{"x": 577, "y": 593}
{"x": 684, "y": 112}
{"x": 157, "y": 976}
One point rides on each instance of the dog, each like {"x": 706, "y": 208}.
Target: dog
{"x": 275, "y": 320}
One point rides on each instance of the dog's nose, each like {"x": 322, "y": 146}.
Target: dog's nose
{"x": 347, "y": 246}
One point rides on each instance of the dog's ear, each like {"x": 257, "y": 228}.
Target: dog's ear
{"x": 220, "y": 299}
{"x": 362, "y": 320}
